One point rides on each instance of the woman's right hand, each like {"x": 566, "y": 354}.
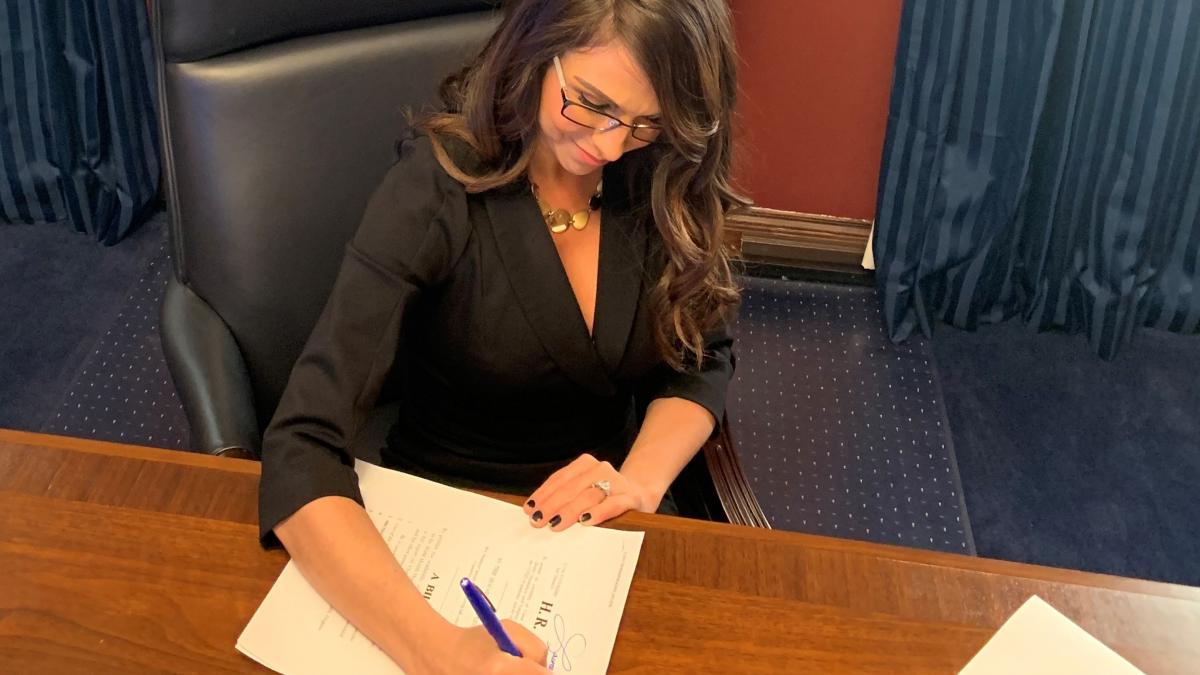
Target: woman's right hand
{"x": 472, "y": 650}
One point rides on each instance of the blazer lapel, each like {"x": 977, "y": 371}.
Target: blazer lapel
{"x": 623, "y": 242}
{"x": 542, "y": 288}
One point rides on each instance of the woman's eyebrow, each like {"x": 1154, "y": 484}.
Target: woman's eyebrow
{"x": 595, "y": 91}
{"x": 604, "y": 98}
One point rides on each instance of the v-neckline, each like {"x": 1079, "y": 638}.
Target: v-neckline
{"x": 527, "y": 250}
{"x": 599, "y": 280}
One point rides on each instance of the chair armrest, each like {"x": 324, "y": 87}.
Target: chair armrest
{"x": 713, "y": 485}
{"x": 729, "y": 480}
{"x": 210, "y": 375}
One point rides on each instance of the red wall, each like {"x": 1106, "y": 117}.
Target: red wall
{"x": 815, "y": 77}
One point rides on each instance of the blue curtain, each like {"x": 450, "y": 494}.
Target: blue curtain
{"x": 1042, "y": 161}
{"x": 78, "y": 139}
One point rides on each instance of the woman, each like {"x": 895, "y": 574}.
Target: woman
{"x": 543, "y": 270}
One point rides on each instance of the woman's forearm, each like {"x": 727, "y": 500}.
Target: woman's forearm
{"x": 340, "y": 552}
{"x": 672, "y": 432}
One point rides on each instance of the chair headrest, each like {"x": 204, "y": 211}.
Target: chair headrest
{"x": 191, "y": 30}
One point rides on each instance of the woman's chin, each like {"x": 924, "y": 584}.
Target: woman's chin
{"x": 577, "y": 168}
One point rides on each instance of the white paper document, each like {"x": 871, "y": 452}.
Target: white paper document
{"x": 1038, "y": 640}
{"x": 569, "y": 587}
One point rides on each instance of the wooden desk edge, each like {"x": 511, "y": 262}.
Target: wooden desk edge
{"x": 654, "y": 521}
{"x": 149, "y": 454}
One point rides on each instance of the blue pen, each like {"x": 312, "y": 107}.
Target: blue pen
{"x": 487, "y": 614}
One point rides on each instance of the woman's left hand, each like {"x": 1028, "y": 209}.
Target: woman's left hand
{"x": 571, "y": 496}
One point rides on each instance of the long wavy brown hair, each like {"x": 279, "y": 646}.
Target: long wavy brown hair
{"x": 686, "y": 49}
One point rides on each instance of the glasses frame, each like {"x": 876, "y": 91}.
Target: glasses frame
{"x": 614, "y": 122}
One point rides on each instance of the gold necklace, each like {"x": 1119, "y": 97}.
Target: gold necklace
{"x": 559, "y": 219}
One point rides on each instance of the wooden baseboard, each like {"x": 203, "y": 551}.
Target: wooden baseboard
{"x": 803, "y": 240}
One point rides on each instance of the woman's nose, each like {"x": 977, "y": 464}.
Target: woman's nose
{"x": 612, "y": 143}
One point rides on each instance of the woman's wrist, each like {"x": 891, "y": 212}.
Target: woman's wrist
{"x": 433, "y": 649}
{"x": 672, "y": 433}
{"x": 650, "y": 494}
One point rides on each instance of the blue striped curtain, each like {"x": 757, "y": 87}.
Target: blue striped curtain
{"x": 1043, "y": 161}
{"x": 78, "y": 139}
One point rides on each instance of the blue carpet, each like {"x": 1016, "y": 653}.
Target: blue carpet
{"x": 1070, "y": 461}
{"x": 841, "y": 432}
{"x": 79, "y": 347}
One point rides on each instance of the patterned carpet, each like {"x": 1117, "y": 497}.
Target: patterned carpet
{"x": 79, "y": 348}
{"x": 124, "y": 392}
{"x": 842, "y": 432}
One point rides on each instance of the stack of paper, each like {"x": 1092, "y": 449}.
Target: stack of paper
{"x": 568, "y": 587}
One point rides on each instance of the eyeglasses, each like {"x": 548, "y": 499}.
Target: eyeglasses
{"x": 588, "y": 116}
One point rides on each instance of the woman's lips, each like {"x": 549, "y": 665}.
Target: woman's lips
{"x": 589, "y": 157}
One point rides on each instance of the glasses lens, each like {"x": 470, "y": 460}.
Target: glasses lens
{"x": 589, "y": 118}
{"x": 601, "y": 122}
{"x": 647, "y": 134}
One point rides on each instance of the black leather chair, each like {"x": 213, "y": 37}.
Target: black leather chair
{"x": 278, "y": 119}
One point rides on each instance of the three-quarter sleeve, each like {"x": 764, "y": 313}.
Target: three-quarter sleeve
{"x": 413, "y": 231}
{"x": 705, "y": 385}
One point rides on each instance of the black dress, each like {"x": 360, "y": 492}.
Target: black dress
{"x": 501, "y": 383}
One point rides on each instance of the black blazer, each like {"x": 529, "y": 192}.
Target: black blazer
{"x": 464, "y": 296}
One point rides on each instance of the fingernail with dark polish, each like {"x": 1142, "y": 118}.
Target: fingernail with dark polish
{"x": 583, "y": 518}
{"x": 530, "y": 504}
{"x": 537, "y": 515}
{"x": 555, "y": 521}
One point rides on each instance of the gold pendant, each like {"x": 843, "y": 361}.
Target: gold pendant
{"x": 558, "y": 220}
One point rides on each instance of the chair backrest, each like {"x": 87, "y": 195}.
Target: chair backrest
{"x": 279, "y": 119}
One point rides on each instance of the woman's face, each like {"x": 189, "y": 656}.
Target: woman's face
{"x": 607, "y": 78}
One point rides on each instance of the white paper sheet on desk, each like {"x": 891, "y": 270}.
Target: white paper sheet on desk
{"x": 568, "y": 587}
{"x": 1038, "y": 640}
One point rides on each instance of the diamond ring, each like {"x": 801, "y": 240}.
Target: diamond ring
{"x": 603, "y": 486}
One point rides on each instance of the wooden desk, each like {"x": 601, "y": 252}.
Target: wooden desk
{"x": 121, "y": 559}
